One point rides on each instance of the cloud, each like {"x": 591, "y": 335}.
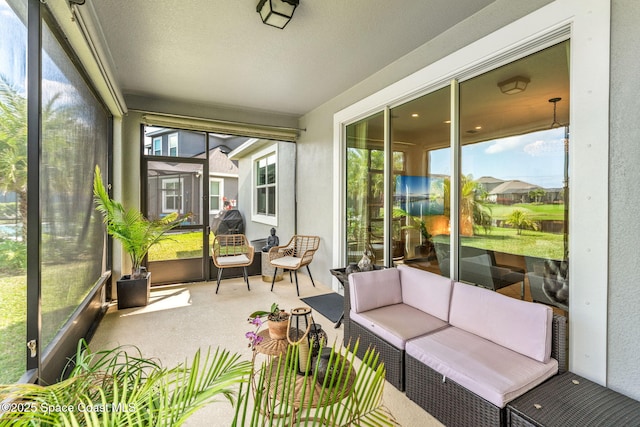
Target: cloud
{"x": 542, "y": 148}
{"x": 501, "y": 145}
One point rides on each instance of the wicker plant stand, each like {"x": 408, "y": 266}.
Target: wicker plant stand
{"x": 569, "y": 400}
{"x": 306, "y": 395}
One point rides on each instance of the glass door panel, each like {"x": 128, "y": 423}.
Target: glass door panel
{"x": 514, "y": 177}
{"x": 365, "y": 190}
{"x": 420, "y": 134}
{"x": 173, "y": 186}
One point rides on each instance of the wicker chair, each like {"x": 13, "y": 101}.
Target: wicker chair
{"x": 293, "y": 256}
{"x": 232, "y": 250}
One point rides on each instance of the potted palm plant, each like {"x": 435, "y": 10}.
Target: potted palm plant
{"x": 137, "y": 235}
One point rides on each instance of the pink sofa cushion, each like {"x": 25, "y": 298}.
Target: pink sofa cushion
{"x": 398, "y": 323}
{"x": 426, "y": 291}
{"x": 521, "y": 326}
{"x": 374, "y": 289}
{"x": 491, "y": 371}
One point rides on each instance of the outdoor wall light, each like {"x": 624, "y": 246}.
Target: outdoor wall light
{"x": 514, "y": 85}
{"x": 276, "y": 13}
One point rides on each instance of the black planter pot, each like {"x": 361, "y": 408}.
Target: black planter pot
{"x": 133, "y": 292}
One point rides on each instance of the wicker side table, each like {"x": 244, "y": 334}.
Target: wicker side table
{"x": 569, "y": 400}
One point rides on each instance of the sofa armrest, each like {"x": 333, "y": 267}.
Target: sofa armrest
{"x": 559, "y": 342}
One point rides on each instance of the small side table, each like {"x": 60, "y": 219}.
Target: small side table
{"x": 268, "y": 270}
{"x": 568, "y": 400}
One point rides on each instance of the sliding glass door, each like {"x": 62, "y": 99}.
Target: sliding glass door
{"x": 514, "y": 124}
{"x": 365, "y": 190}
{"x": 477, "y": 179}
{"x": 421, "y": 131}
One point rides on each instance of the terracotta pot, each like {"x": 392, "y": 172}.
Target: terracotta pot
{"x": 278, "y": 330}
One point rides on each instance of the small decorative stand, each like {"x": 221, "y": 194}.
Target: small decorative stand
{"x": 286, "y": 391}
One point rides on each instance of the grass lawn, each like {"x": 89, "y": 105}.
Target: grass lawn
{"x": 529, "y": 243}
{"x": 536, "y": 212}
{"x": 179, "y": 246}
{"x": 13, "y": 327}
{"x": 60, "y": 297}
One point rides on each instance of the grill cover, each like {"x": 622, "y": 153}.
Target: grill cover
{"x": 228, "y": 222}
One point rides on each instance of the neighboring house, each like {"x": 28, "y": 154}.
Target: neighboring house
{"x": 176, "y": 187}
{"x": 489, "y": 182}
{"x": 513, "y": 191}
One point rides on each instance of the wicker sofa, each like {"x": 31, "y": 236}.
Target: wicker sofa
{"x": 463, "y": 352}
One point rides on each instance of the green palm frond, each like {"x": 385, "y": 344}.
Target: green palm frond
{"x": 119, "y": 387}
{"x": 348, "y": 395}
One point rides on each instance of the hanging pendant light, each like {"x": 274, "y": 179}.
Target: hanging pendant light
{"x": 276, "y": 13}
{"x": 556, "y": 123}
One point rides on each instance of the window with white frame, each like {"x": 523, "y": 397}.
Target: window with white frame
{"x": 173, "y": 145}
{"x": 216, "y": 192}
{"x": 265, "y": 185}
{"x": 172, "y": 195}
{"x": 157, "y": 146}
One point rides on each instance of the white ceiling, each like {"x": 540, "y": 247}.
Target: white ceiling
{"x": 218, "y": 52}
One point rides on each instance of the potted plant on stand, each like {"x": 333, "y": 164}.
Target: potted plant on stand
{"x": 136, "y": 234}
{"x": 278, "y": 321}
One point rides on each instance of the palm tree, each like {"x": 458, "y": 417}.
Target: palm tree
{"x": 537, "y": 195}
{"x": 13, "y": 147}
{"x": 520, "y": 220}
{"x": 57, "y": 120}
{"x": 474, "y": 210}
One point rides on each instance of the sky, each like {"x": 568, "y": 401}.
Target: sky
{"x": 536, "y": 158}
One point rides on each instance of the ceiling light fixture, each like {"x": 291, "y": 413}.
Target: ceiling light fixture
{"x": 514, "y": 85}
{"x": 276, "y": 13}
{"x": 556, "y": 123}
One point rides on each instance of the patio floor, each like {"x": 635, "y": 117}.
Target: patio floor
{"x": 182, "y": 318}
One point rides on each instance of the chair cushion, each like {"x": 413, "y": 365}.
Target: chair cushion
{"x": 521, "y": 326}
{"x": 491, "y": 371}
{"x": 288, "y": 262}
{"x": 232, "y": 260}
{"x": 398, "y": 323}
{"x": 426, "y": 291}
{"x": 374, "y": 289}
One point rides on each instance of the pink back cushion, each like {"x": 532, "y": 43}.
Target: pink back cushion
{"x": 521, "y": 326}
{"x": 374, "y": 289}
{"x": 426, "y": 291}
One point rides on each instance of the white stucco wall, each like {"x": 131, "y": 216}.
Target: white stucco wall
{"x": 285, "y": 218}
{"x": 624, "y": 293}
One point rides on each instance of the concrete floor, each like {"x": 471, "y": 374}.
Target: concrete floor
{"x": 183, "y": 318}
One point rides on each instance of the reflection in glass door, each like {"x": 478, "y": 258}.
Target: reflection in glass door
{"x": 514, "y": 123}
{"x": 421, "y": 128}
{"x": 365, "y": 190}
